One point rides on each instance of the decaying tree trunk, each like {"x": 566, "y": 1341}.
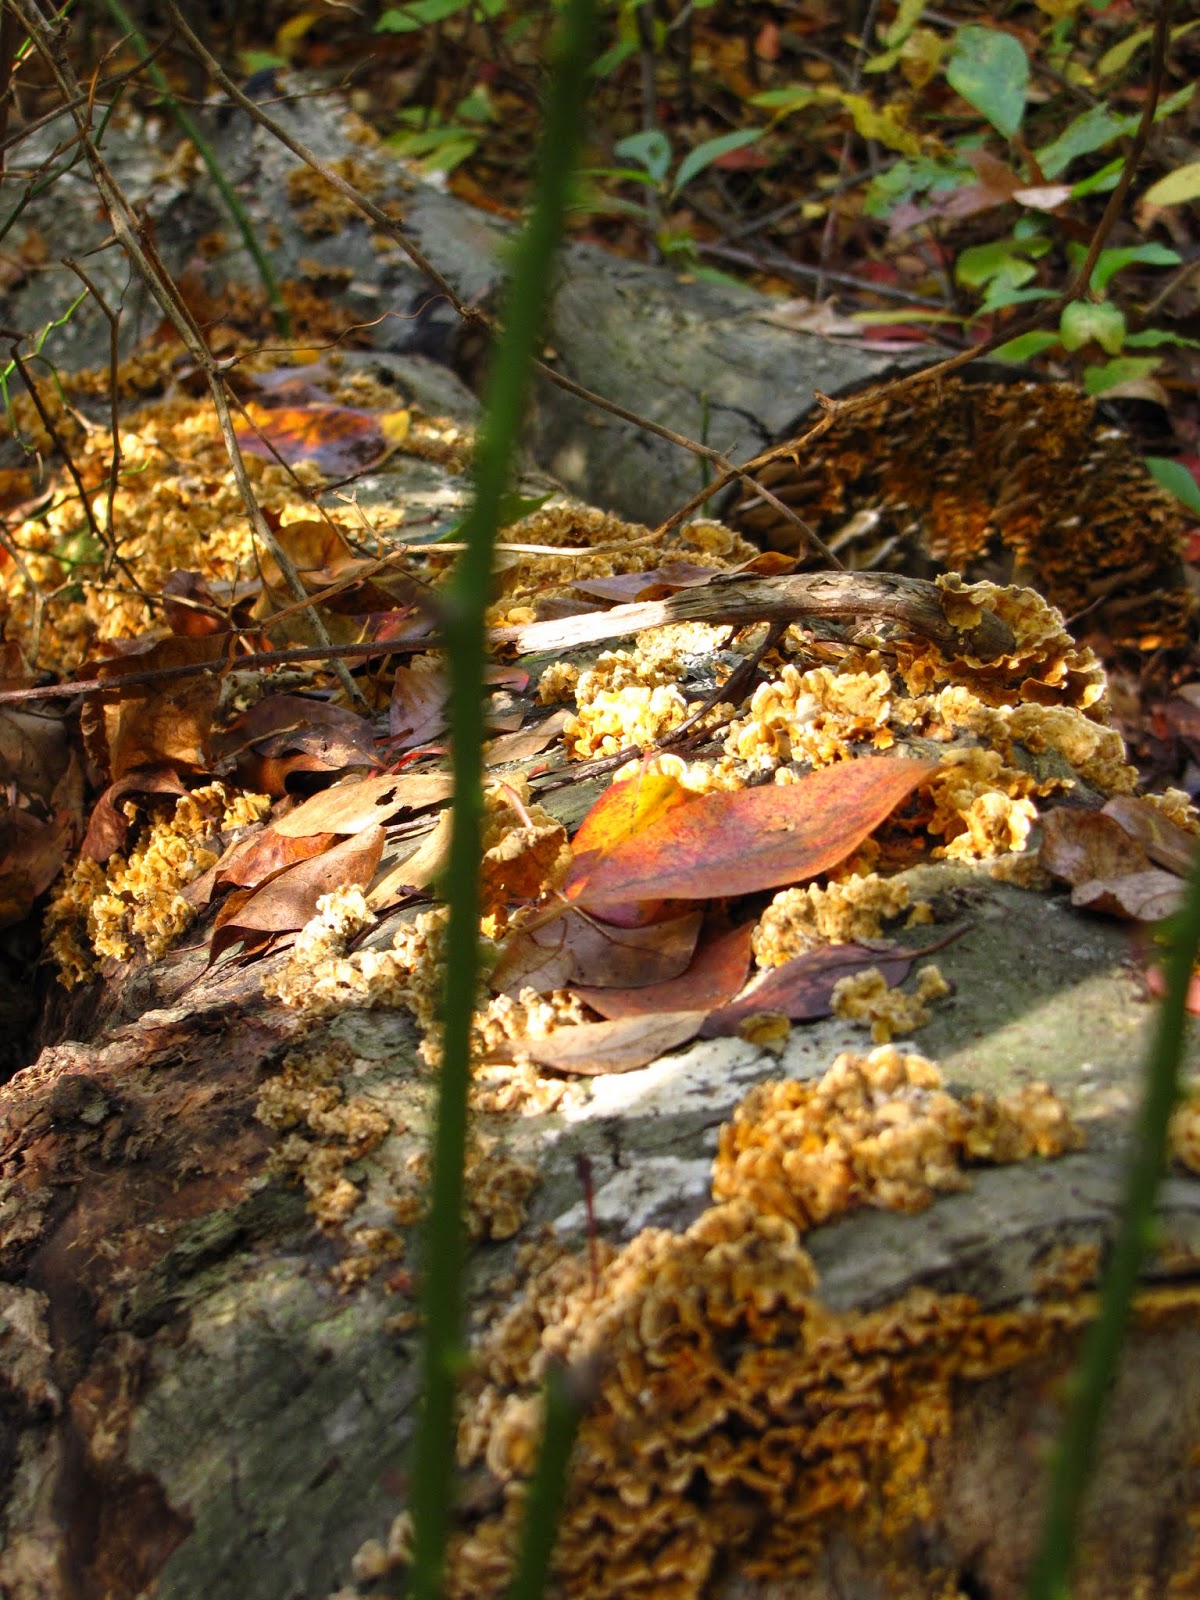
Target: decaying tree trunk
{"x": 208, "y": 1252}
{"x": 706, "y": 361}
{"x": 208, "y": 1370}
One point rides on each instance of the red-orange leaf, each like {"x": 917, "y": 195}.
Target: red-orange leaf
{"x": 731, "y": 844}
{"x": 339, "y": 439}
{"x": 622, "y": 811}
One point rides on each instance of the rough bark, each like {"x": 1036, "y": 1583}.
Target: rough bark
{"x": 201, "y": 1394}
{"x": 199, "y": 1398}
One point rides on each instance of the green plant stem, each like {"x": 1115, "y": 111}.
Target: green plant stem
{"x": 562, "y": 1408}
{"x": 465, "y": 641}
{"x": 1075, "y": 1454}
{"x": 191, "y": 131}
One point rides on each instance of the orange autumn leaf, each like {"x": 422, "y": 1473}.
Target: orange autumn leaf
{"x": 722, "y": 843}
{"x": 340, "y": 439}
{"x": 624, "y": 811}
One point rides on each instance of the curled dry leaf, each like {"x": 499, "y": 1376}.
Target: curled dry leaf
{"x": 32, "y": 852}
{"x": 108, "y": 825}
{"x": 579, "y": 950}
{"x": 1138, "y": 896}
{"x": 290, "y": 733}
{"x": 417, "y": 713}
{"x": 1079, "y": 846}
{"x": 359, "y": 803}
{"x": 34, "y": 750}
{"x": 714, "y": 976}
{"x": 1165, "y": 842}
{"x": 416, "y": 870}
{"x": 264, "y": 853}
{"x": 526, "y": 742}
{"x": 1107, "y": 869}
{"x": 285, "y": 902}
{"x": 595, "y": 1049}
{"x": 148, "y": 725}
{"x": 802, "y": 989}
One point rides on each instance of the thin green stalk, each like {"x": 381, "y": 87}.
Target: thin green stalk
{"x": 562, "y": 1408}
{"x": 191, "y": 131}
{"x": 464, "y": 632}
{"x": 1075, "y": 1454}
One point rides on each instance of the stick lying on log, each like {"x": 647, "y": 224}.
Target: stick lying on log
{"x": 908, "y": 603}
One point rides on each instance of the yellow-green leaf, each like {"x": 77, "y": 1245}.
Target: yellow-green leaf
{"x": 1177, "y": 188}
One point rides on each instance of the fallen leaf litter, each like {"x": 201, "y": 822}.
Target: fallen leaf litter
{"x": 721, "y": 1322}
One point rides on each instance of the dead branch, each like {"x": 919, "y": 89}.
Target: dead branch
{"x": 737, "y": 601}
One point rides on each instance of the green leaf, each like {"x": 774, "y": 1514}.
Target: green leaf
{"x": 1176, "y": 188}
{"x": 1092, "y": 131}
{"x": 418, "y": 14}
{"x": 909, "y": 178}
{"x": 711, "y": 150}
{"x": 991, "y": 72}
{"x": 1095, "y": 130}
{"x": 784, "y": 101}
{"x": 1100, "y": 182}
{"x": 908, "y": 14}
{"x": 1085, "y": 320}
{"x": 1175, "y": 477}
{"x": 1122, "y": 53}
{"x": 613, "y": 57}
{"x": 1026, "y": 346}
{"x": 880, "y": 319}
{"x": 1000, "y": 294}
{"x": 1126, "y": 369}
{"x": 252, "y": 61}
{"x": 1151, "y": 338}
{"x": 1112, "y": 261}
{"x": 1008, "y": 258}
{"x": 651, "y": 147}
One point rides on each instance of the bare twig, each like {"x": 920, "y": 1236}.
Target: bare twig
{"x": 738, "y": 600}
{"x": 114, "y": 357}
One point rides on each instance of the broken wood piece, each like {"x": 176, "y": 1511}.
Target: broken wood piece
{"x": 908, "y": 603}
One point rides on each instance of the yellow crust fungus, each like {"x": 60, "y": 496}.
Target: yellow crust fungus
{"x": 797, "y": 920}
{"x": 135, "y": 901}
{"x": 632, "y": 698}
{"x": 980, "y": 806}
{"x": 813, "y": 716}
{"x": 875, "y": 1130}
{"x": 733, "y": 1414}
{"x": 325, "y": 1130}
{"x": 867, "y": 997}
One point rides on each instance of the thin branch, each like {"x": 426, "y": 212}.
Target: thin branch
{"x": 141, "y": 251}
{"x": 470, "y": 314}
